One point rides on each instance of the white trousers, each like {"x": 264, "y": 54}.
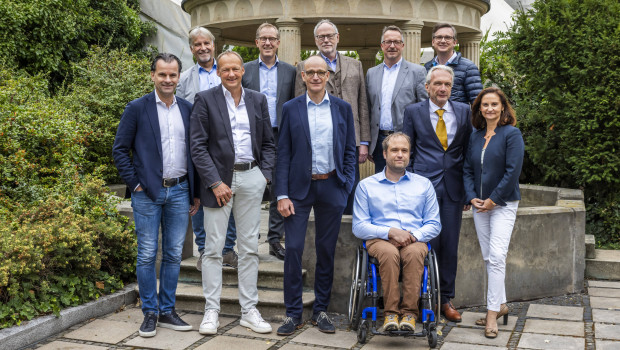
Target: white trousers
{"x": 494, "y": 229}
{"x": 247, "y": 187}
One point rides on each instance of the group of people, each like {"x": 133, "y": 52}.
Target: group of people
{"x": 207, "y": 142}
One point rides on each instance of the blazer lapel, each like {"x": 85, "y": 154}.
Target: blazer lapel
{"x": 303, "y": 113}
{"x": 400, "y": 78}
{"x": 221, "y": 105}
{"x": 151, "y": 111}
{"x": 249, "y": 107}
{"x": 255, "y": 72}
{"x": 459, "y": 124}
{"x": 280, "y": 83}
{"x": 335, "y": 129}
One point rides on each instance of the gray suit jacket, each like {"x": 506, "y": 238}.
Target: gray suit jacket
{"x": 286, "y": 83}
{"x": 353, "y": 90}
{"x": 409, "y": 88}
{"x": 211, "y": 140}
{"x": 189, "y": 84}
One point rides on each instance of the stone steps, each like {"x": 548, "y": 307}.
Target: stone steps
{"x": 605, "y": 265}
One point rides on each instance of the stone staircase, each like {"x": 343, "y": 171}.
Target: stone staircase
{"x": 601, "y": 263}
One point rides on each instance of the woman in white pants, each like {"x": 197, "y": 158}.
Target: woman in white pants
{"x": 491, "y": 176}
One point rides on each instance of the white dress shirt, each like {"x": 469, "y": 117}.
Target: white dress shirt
{"x": 240, "y": 126}
{"x": 387, "y": 91}
{"x": 448, "y": 117}
{"x": 172, "y": 130}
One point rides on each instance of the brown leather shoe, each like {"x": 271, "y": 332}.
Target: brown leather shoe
{"x": 450, "y": 312}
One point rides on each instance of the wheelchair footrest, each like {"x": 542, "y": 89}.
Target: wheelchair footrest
{"x": 422, "y": 333}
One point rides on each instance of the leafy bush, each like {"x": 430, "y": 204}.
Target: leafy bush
{"x": 557, "y": 62}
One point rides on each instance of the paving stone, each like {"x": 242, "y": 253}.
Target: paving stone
{"x": 566, "y": 313}
{"x": 548, "y": 341}
{"x": 341, "y": 339}
{"x": 606, "y": 316}
{"x": 379, "y": 342}
{"x": 554, "y": 327}
{"x": 459, "y": 346}
{"x": 103, "y": 331}
{"x": 604, "y": 284}
{"x": 469, "y": 319}
{"x": 605, "y": 292}
{"x": 167, "y": 339}
{"x": 290, "y": 346}
{"x": 133, "y": 315}
{"x": 63, "y": 345}
{"x": 235, "y": 343}
{"x": 476, "y": 336}
{"x": 607, "y": 345}
{"x": 196, "y": 319}
{"x": 240, "y": 330}
{"x": 607, "y": 331}
{"x": 605, "y": 303}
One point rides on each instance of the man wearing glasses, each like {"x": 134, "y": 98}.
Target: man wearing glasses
{"x": 346, "y": 81}
{"x": 392, "y": 86}
{"x": 467, "y": 83}
{"x": 275, "y": 79}
{"x": 315, "y": 170}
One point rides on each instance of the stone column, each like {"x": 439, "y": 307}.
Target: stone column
{"x": 219, "y": 40}
{"x": 469, "y": 45}
{"x": 290, "y": 40}
{"x": 412, "y": 36}
{"x": 367, "y": 57}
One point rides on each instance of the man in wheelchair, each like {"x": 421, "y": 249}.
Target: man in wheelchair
{"x": 396, "y": 212}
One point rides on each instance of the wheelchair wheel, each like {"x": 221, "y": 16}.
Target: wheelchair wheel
{"x": 432, "y": 338}
{"x": 358, "y": 287}
{"x": 362, "y": 332}
{"x": 435, "y": 291}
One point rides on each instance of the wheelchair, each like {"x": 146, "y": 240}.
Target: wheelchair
{"x": 365, "y": 298}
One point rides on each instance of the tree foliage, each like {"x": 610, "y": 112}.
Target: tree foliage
{"x": 558, "y": 62}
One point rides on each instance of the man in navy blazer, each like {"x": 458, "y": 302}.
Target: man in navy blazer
{"x": 439, "y": 130}
{"x": 315, "y": 169}
{"x": 151, "y": 152}
{"x": 275, "y": 79}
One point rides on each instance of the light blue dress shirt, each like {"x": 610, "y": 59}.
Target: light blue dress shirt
{"x": 321, "y": 135}
{"x": 409, "y": 204}
{"x": 208, "y": 79}
{"x": 387, "y": 91}
{"x": 331, "y": 64}
{"x": 269, "y": 87}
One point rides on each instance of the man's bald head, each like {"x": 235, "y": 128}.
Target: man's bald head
{"x": 314, "y": 60}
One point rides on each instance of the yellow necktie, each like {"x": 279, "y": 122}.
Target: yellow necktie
{"x": 442, "y": 133}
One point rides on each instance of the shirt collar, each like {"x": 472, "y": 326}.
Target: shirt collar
{"x": 261, "y": 63}
{"x": 158, "y": 100}
{"x": 228, "y": 95}
{"x": 328, "y": 60}
{"x": 452, "y": 58}
{"x": 382, "y": 178}
{"x": 447, "y": 107}
{"x": 213, "y": 69}
{"x": 395, "y": 66}
{"x": 325, "y": 98}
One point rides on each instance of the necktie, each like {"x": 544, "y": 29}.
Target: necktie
{"x": 442, "y": 133}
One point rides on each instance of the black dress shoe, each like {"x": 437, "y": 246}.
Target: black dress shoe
{"x": 276, "y": 249}
{"x": 322, "y": 321}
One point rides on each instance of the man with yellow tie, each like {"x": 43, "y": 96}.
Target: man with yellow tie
{"x": 439, "y": 130}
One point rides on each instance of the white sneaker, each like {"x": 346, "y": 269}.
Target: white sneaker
{"x": 210, "y": 322}
{"x": 253, "y": 320}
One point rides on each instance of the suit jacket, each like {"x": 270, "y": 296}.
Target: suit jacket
{"x": 353, "y": 90}
{"x": 409, "y": 88}
{"x": 138, "y": 133}
{"x": 286, "y": 83}
{"x": 503, "y": 159}
{"x": 294, "y": 166}
{"x": 212, "y": 143}
{"x": 428, "y": 157}
{"x": 189, "y": 84}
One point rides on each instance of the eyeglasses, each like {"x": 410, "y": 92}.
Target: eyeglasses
{"x": 443, "y": 37}
{"x": 326, "y": 36}
{"x": 389, "y": 43}
{"x": 320, "y": 73}
{"x": 264, "y": 39}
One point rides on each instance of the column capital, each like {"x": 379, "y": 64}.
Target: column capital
{"x": 412, "y": 25}
{"x": 288, "y": 22}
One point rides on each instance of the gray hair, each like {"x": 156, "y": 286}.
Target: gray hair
{"x": 200, "y": 31}
{"x": 394, "y": 28}
{"x": 229, "y": 52}
{"x": 323, "y": 21}
{"x": 267, "y": 25}
{"x": 439, "y": 67}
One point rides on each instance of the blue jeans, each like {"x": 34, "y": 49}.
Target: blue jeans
{"x": 171, "y": 210}
{"x": 198, "y": 225}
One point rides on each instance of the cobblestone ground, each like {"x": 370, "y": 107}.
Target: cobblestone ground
{"x": 578, "y": 321}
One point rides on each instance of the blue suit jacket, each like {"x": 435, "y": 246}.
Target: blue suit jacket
{"x": 503, "y": 159}
{"x": 294, "y": 163}
{"x": 428, "y": 158}
{"x": 138, "y": 133}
